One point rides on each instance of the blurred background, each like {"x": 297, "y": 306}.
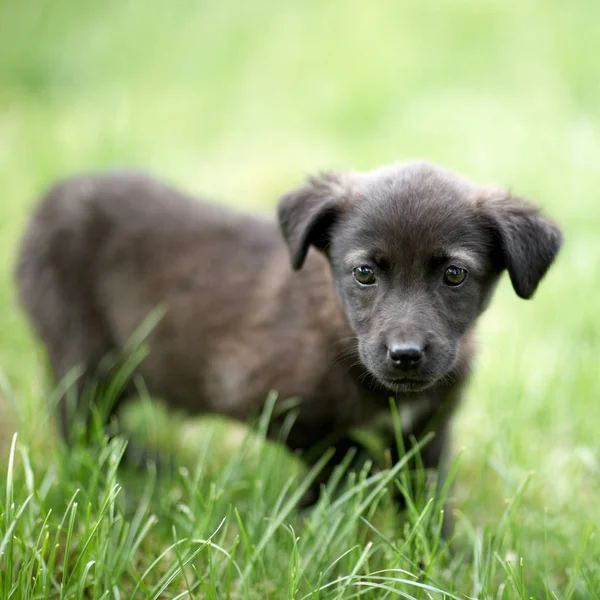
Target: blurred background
{"x": 240, "y": 100}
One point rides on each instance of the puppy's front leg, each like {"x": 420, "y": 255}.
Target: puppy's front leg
{"x": 341, "y": 448}
{"x": 432, "y": 457}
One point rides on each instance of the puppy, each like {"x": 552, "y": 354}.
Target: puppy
{"x": 368, "y": 287}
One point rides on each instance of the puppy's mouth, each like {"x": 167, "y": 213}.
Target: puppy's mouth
{"x": 407, "y": 385}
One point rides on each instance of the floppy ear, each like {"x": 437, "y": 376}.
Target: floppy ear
{"x": 527, "y": 241}
{"x": 307, "y": 213}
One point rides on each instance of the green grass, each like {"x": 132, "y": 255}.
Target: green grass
{"x": 239, "y": 100}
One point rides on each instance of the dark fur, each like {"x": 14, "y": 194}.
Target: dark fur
{"x": 102, "y": 251}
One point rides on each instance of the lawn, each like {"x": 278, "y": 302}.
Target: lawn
{"x": 238, "y": 101}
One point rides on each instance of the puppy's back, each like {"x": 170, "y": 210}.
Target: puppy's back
{"x": 102, "y": 251}
{"x": 66, "y": 231}
{"x": 84, "y": 223}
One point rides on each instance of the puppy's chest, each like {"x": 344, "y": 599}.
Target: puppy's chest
{"x": 357, "y": 407}
{"x": 410, "y": 414}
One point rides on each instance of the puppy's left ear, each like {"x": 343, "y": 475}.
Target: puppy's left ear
{"x": 527, "y": 241}
{"x": 307, "y": 213}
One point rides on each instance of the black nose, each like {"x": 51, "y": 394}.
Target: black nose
{"x": 405, "y": 356}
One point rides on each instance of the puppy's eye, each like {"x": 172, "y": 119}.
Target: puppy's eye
{"x": 455, "y": 276}
{"x": 364, "y": 275}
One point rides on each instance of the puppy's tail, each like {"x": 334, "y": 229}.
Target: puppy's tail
{"x": 54, "y": 280}
{"x": 48, "y": 268}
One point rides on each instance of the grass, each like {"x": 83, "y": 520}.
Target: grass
{"x": 239, "y": 101}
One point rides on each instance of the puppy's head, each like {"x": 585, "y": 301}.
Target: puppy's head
{"x": 415, "y": 252}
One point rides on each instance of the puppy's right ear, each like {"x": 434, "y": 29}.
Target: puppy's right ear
{"x": 306, "y": 214}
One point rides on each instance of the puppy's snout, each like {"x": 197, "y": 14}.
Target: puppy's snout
{"x": 405, "y": 356}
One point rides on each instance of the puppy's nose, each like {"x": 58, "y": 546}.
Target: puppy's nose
{"x": 405, "y": 356}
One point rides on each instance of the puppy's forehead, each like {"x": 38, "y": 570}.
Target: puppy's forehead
{"x": 413, "y": 187}
{"x": 417, "y": 208}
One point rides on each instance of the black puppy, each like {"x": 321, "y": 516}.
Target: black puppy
{"x": 408, "y": 257}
